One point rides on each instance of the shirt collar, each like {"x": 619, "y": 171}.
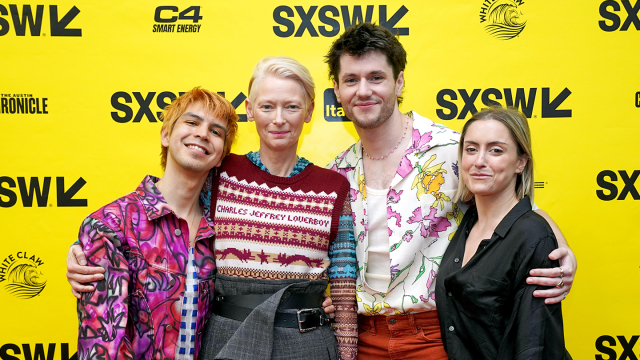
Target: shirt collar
{"x": 155, "y": 206}
{"x": 514, "y": 214}
{"x": 425, "y": 135}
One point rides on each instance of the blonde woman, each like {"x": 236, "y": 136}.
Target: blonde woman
{"x": 283, "y": 228}
{"x": 486, "y": 308}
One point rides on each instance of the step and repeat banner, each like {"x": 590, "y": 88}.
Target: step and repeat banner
{"x": 82, "y": 85}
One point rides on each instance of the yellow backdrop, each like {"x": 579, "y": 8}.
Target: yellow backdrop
{"x": 82, "y": 83}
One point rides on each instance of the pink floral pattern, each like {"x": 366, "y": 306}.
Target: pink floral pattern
{"x": 419, "y": 214}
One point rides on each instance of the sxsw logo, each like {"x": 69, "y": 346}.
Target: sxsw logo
{"x": 521, "y": 98}
{"x": 39, "y": 192}
{"x": 333, "y": 110}
{"x": 125, "y": 113}
{"x": 331, "y": 17}
{"x": 606, "y": 344}
{"x": 35, "y": 352}
{"x": 610, "y": 9}
{"x": 31, "y": 17}
{"x": 606, "y": 180}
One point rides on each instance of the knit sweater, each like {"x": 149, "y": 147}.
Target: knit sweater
{"x": 270, "y": 227}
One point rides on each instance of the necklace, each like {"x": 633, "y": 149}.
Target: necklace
{"x": 392, "y": 150}
{"x": 193, "y": 220}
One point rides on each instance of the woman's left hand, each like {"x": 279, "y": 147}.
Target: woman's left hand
{"x": 561, "y": 278}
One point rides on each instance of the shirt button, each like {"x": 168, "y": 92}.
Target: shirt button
{"x": 392, "y": 321}
{"x": 177, "y": 232}
{"x": 172, "y": 282}
{"x": 169, "y": 328}
{"x": 449, "y": 293}
{"x": 451, "y": 328}
{"x": 456, "y": 260}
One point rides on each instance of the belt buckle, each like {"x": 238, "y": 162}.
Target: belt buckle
{"x": 300, "y": 321}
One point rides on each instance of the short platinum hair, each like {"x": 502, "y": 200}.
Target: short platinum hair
{"x": 285, "y": 68}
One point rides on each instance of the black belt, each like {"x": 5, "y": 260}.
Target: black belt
{"x": 309, "y": 316}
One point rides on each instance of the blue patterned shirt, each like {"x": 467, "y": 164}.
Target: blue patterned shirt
{"x": 302, "y": 163}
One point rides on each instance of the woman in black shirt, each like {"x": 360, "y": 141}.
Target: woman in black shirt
{"x": 486, "y": 308}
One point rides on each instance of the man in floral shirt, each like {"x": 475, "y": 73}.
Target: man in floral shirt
{"x": 404, "y": 216}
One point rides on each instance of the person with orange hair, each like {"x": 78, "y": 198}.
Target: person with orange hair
{"x": 277, "y": 244}
{"x": 156, "y": 244}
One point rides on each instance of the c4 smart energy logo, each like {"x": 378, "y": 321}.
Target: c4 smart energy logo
{"x": 24, "y": 17}
{"x": 171, "y": 19}
{"x": 503, "y": 19}
{"x": 21, "y": 275}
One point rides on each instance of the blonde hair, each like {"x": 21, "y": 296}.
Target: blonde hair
{"x": 218, "y": 106}
{"x": 285, "y": 68}
{"x": 518, "y": 127}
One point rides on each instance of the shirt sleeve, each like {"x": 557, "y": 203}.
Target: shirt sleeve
{"x": 534, "y": 330}
{"x": 342, "y": 277}
{"x": 103, "y": 313}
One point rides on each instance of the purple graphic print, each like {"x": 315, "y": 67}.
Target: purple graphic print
{"x": 134, "y": 313}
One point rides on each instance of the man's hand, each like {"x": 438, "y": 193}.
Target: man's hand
{"x": 327, "y": 304}
{"x": 552, "y": 276}
{"x": 78, "y": 273}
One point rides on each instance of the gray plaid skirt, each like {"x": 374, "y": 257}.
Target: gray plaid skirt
{"x": 256, "y": 337}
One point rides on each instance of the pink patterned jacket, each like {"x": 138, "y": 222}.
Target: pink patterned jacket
{"x": 135, "y": 312}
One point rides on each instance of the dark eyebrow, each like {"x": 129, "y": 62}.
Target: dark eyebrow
{"x": 190, "y": 114}
{"x": 375, "y": 72}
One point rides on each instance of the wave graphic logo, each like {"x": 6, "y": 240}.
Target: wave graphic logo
{"x": 24, "y": 279}
{"x": 504, "y": 18}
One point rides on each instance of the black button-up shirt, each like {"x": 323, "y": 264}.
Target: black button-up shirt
{"x": 486, "y": 308}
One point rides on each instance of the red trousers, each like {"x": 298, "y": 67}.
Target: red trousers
{"x": 400, "y": 337}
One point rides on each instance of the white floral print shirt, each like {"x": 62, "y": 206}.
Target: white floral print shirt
{"x": 421, "y": 216}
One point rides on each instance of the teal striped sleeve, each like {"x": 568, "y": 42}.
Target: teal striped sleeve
{"x": 342, "y": 277}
